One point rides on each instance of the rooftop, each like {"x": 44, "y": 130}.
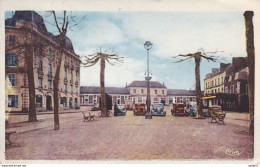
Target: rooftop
{"x": 153, "y": 84}
{"x": 108, "y": 90}
{"x": 181, "y": 92}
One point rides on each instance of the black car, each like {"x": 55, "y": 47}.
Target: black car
{"x": 119, "y": 110}
{"x": 157, "y": 110}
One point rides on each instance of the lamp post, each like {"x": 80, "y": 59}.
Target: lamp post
{"x": 148, "y": 45}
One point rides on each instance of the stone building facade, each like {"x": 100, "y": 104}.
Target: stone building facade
{"x": 44, "y": 66}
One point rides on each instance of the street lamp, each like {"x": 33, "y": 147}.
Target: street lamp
{"x": 148, "y": 45}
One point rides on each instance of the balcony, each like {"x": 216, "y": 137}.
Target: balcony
{"x": 77, "y": 83}
{"x": 65, "y": 81}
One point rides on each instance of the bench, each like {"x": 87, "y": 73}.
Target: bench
{"x": 88, "y": 118}
{"x": 217, "y": 116}
{"x": 7, "y": 137}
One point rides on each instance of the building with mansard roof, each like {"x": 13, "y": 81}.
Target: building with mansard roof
{"x": 19, "y": 28}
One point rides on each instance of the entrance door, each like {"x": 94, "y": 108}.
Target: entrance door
{"x": 76, "y": 102}
{"x": 48, "y": 103}
{"x": 70, "y": 103}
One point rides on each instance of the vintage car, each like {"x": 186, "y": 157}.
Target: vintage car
{"x": 139, "y": 109}
{"x": 179, "y": 109}
{"x": 157, "y": 110}
{"x": 119, "y": 110}
{"x": 192, "y": 108}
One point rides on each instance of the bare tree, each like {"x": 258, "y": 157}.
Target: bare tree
{"x": 198, "y": 56}
{"x": 103, "y": 57}
{"x": 251, "y": 64}
{"x": 63, "y": 24}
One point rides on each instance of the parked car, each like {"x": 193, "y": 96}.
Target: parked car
{"x": 192, "y": 108}
{"x": 157, "y": 110}
{"x": 139, "y": 109}
{"x": 119, "y": 110}
{"x": 179, "y": 109}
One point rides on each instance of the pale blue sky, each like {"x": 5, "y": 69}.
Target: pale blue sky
{"x": 171, "y": 33}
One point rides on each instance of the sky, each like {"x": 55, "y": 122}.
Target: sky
{"x": 171, "y": 33}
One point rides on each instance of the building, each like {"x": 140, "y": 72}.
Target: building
{"x": 136, "y": 92}
{"x": 214, "y": 82}
{"x": 90, "y": 95}
{"x": 44, "y": 65}
{"x": 234, "y": 89}
{"x": 180, "y": 96}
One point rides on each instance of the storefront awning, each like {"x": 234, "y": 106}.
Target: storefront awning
{"x": 208, "y": 97}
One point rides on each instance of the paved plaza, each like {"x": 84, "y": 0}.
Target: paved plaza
{"x": 130, "y": 138}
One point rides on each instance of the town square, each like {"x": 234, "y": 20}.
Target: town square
{"x": 129, "y": 86}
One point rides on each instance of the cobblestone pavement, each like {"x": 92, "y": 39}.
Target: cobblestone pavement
{"x": 130, "y": 138}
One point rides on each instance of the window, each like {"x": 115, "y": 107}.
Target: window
{"x": 221, "y": 80}
{"x": 126, "y": 97}
{"x": 71, "y": 89}
{"x": 40, "y": 83}
{"x": 222, "y": 90}
{"x": 155, "y": 91}
{"x": 134, "y": 91}
{"x": 71, "y": 76}
{"x": 65, "y": 87}
{"x": 175, "y": 99}
{"x": 226, "y": 89}
{"x": 218, "y": 81}
{"x": 187, "y": 99}
{"x": 95, "y": 99}
{"x": 118, "y": 100}
{"x": 50, "y": 53}
{"x": 13, "y": 101}
{"x": 11, "y": 78}
{"x": 86, "y": 99}
{"x": 49, "y": 69}
{"x": 163, "y": 92}
{"x": 155, "y": 99}
{"x": 215, "y": 82}
{"x": 232, "y": 89}
{"x": 139, "y": 100}
{"x": 193, "y": 99}
{"x": 49, "y": 84}
{"x": 142, "y": 91}
{"x": 76, "y": 77}
{"x": 163, "y": 101}
{"x": 40, "y": 66}
{"x": 63, "y": 101}
{"x": 181, "y": 100}
{"x": 11, "y": 60}
{"x": 211, "y": 83}
{"x": 170, "y": 101}
{"x": 65, "y": 74}
{"x": 38, "y": 101}
{"x": 206, "y": 85}
{"x": 76, "y": 89}
{"x": 11, "y": 40}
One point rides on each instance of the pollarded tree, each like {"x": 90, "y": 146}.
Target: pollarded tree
{"x": 63, "y": 24}
{"x": 198, "y": 56}
{"x": 103, "y": 57}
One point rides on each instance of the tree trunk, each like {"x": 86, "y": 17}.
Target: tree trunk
{"x": 102, "y": 87}
{"x": 198, "y": 89}
{"x": 30, "y": 75}
{"x": 251, "y": 64}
